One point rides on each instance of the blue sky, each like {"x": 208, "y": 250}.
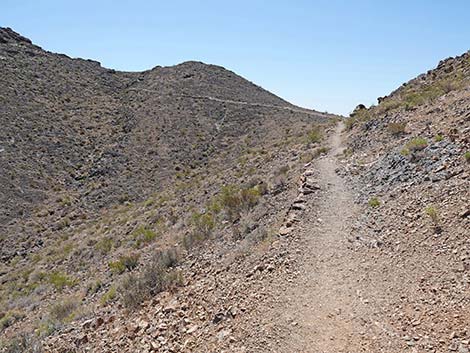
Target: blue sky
{"x": 327, "y": 55}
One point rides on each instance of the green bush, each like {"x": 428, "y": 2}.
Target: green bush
{"x": 433, "y": 214}
{"x": 234, "y": 199}
{"x": 396, "y": 128}
{"x": 314, "y": 135}
{"x": 388, "y": 105}
{"x": 109, "y": 296}
{"x": 125, "y": 262}
{"x": 6, "y": 321}
{"x": 349, "y": 123}
{"x": 60, "y": 280}
{"x": 155, "y": 277}
{"x": 467, "y": 156}
{"x": 63, "y": 311}
{"x": 104, "y": 245}
{"x": 374, "y": 202}
{"x": 416, "y": 144}
{"x": 143, "y": 235}
{"x": 22, "y": 343}
{"x": 203, "y": 223}
{"x": 438, "y": 138}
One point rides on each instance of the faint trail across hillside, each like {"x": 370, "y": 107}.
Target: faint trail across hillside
{"x": 229, "y": 101}
{"x": 326, "y": 308}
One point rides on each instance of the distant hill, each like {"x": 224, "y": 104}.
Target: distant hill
{"x": 97, "y": 164}
{"x": 70, "y": 125}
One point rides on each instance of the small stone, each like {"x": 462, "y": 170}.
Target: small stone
{"x": 192, "y": 329}
{"x": 82, "y": 339}
{"x": 218, "y": 318}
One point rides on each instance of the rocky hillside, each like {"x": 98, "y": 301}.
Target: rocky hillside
{"x": 409, "y": 158}
{"x": 114, "y": 180}
{"x": 185, "y": 209}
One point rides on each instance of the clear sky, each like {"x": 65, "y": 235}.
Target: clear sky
{"x": 327, "y": 55}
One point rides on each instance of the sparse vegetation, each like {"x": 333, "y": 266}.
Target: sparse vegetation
{"x": 434, "y": 216}
{"x": 22, "y": 343}
{"x": 155, "y": 277}
{"x": 314, "y": 135}
{"x": 374, "y": 202}
{"x": 60, "y": 280}
{"x": 234, "y": 200}
{"x": 348, "y": 152}
{"x": 63, "y": 311}
{"x": 105, "y": 245}
{"x": 416, "y": 144}
{"x": 143, "y": 235}
{"x": 319, "y": 151}
{"x": 438, "y": 138}
{"x": 467, "y": 156}
{"x": 109, "y": 296}
{"x": 396, "y": 129}
{"x": 7, "y": 320}
{"x": 203, "y": 223}
{"x": 349, "y": 123}
{"x": 432, "y": 213}
{"x": 125, "y": 262}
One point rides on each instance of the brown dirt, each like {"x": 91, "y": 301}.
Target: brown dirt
{"x": 333, "y": 305}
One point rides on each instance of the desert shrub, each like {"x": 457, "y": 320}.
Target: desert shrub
{"x": 132, "y": 291}
{"x": 94, "y": 287}
{"x": 438, "y": 138}
{"x": 261, "y": 188}
{"x": 249, "y": 197}
{"x": 396, "y": 128}
{"x": 229, "y": 198}
{"x": 60, "y": 280}
{"x": 387, "y": 105}
{"x": 109, "y": 296}
{"x": 168, "y": 258}
{"x": 467, "y": 156}
{"x": 432, "y": 213}
{"x": 416, "y": 144}
{"x": 22, "y": 343}
{"x": 349, "y": 123}
{"x": 320, "y": 150}
{"x": 282, "y": 170}
{"x": 7, "y": 320}
{"x": 234, "y": 199}
{"x": 117, "y": 267}
{"x": 362, "y": 115}
{"x": 155, "y": 277}
{"x": 374, "y": 202}
{"x": 203, "y": 223}
{"x": 314, "y": 135}
{"x": 143, "y": 235}
{"x": 46, "y": 328}
{"x": 125, "y": 262}
{"x": 104, "y": 245}
{"x": 63, "y": 311}
{"x": 348, "y": 152}
{"x": 405, "y": 152}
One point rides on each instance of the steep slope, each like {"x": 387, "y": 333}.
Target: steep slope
{"x": 378, "y": 259}
{"x": 74, "y": 130}
{"x": 411, "y": 156}
{"x": 100, "y": 167}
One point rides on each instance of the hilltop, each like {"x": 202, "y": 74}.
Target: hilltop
{"x": 105, "y": 173}
{"x": 185, "y": 209}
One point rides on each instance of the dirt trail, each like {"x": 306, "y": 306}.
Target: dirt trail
{"x": 229, "y": 101}
{"x": 325, "y": 309}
